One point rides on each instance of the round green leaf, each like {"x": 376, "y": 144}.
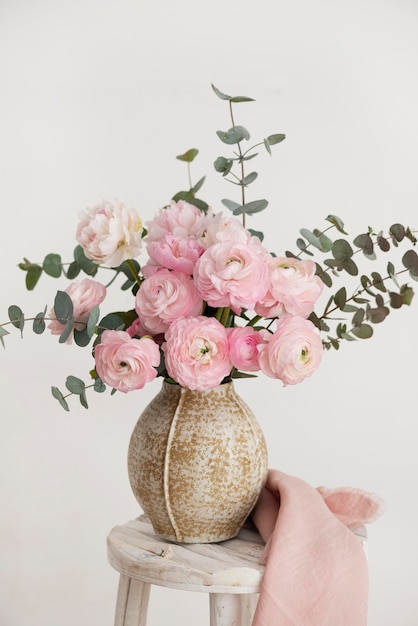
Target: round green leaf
{"x": 52, "y": 265}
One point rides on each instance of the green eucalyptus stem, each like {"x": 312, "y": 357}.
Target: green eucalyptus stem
{"x": 241, "y": 162}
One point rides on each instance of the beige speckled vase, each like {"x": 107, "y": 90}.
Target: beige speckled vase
{"x": 197, "y": 462}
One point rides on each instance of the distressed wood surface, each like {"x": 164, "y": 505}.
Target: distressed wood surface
{"x": 226, "y": 567}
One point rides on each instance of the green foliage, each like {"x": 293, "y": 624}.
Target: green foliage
{"x": 370, "y": 302}
{"x": 347, "y": 315}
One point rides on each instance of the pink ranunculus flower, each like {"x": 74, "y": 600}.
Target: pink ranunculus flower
{"x": 175, "y": 254}
{"x": 165, "y": 296}
{"x": 125, "y": 363}
{"x": 136, "y": 329}
{"x": 231, "y": 274}
{"x": 243, "y": 351}
{"x": 180, "y": 219}
{"x": 293, "y": 352}
{"x": 224, "y": 228}
{"x": 110, "y": 233}
{"x": 196, "y": 352}
{"x": 294, "y": 288}
{"x": 85, "y": 295}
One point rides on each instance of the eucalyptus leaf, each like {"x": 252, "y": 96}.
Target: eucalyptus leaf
{"x": 3, "y": 333}
{"x": 407, "y": 294}
{"x": 67, "y": 331}
{"x": 58, "y": 396}
{"x": 38, "y": 325}
{"x": 250, "y": 208}
{"x": 395, "y": 299}
{"x": 376, "y": 316}
{"x": 188, "y": 156}
{"x": 63, "y": 307}
{"x": 342, "y": 250}
{"x": 82, "y": 337}
{"x": 92, "y": 321}
{"x": 337, "y": 222}
{"x": 340, "y": 297}
{"x": 364, "y": 331}
{"x": 275, "y": 138}
{"x": 198, "y": 185}
{"x": 99, "y": 385}
{"x": 230, "y": 204}
{"x": 200, "y": 204}
{"x": 86, "y": 264}
{"x": 364, "y": 242}
{"x": 83, "y": 400}
{"x": 52, "y": 265}
{"x": 250, "y": 178}
{"x": 75, "y": 385}
{"x": 16, "y": 316}
{"x": 219, "y": 93}
{"x": 397, "y": 231}
{"x": 73, "y": 270}
{"x": 378, "y": 281}
{"x": 410, "y": 261}
{"x": 256, "y": 233}
{"x": 233, "y": 135}
{"x": 223, "y": 165}
{"x": 32, "y": 277}
{"x": 383, "y": 243}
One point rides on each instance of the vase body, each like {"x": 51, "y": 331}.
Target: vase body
{"x": 197, "y": 462}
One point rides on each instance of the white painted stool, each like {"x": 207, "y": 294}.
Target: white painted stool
{"x": 228, "y": 571}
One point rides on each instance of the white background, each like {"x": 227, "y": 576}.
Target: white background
{"x": 97, "y": 99}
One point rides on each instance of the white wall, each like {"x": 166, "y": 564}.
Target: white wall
{"x": 97, "y": 99}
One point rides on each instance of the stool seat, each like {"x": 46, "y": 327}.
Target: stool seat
{"x": 228, "y": 571}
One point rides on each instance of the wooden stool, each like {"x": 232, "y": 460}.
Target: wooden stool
{"x": 228, "y": 571}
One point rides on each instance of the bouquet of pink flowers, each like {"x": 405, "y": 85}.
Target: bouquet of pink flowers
{"x": 211, "y": 303}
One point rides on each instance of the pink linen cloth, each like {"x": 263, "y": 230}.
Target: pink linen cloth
{"x": 316, "y": 569}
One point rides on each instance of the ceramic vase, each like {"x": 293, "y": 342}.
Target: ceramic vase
{"x": 197, "y": 462}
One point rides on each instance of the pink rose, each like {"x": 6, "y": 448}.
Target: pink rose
{"x": 85, "y": 295}
{"x": 180, "y": 219}
{"x": 231, "y": 274}
{"x": 196, "y": 352}
{"x": 175, "y": 254}
{"x": 110, "y": 233}
{"x": 165, "y": 296}
{"x": 293, "y": 352}
{"x": 243, "y": 351}
{"x": 293, "y": 289}
{"x": 125, "y": 363}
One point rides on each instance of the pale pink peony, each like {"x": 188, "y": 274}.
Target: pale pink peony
{"x": 196, "y": 352}
{"x": 180, "y": 219}
{"x": 85, "y": 295}
{"x": 125, "y": 363}
{"x": 293, "y": 352}
{"x": 110, "y": 233}
{"x": 231, "y": 274}
{"x": 175, "y": 254}
{"x": 243, "y": 350}
{"x": 165, "y": 296}
{"x": 294, "y": 288}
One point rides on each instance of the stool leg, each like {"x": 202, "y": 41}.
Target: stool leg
{"x": 132, "y": 602}
{"x": 232, "y": 609}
